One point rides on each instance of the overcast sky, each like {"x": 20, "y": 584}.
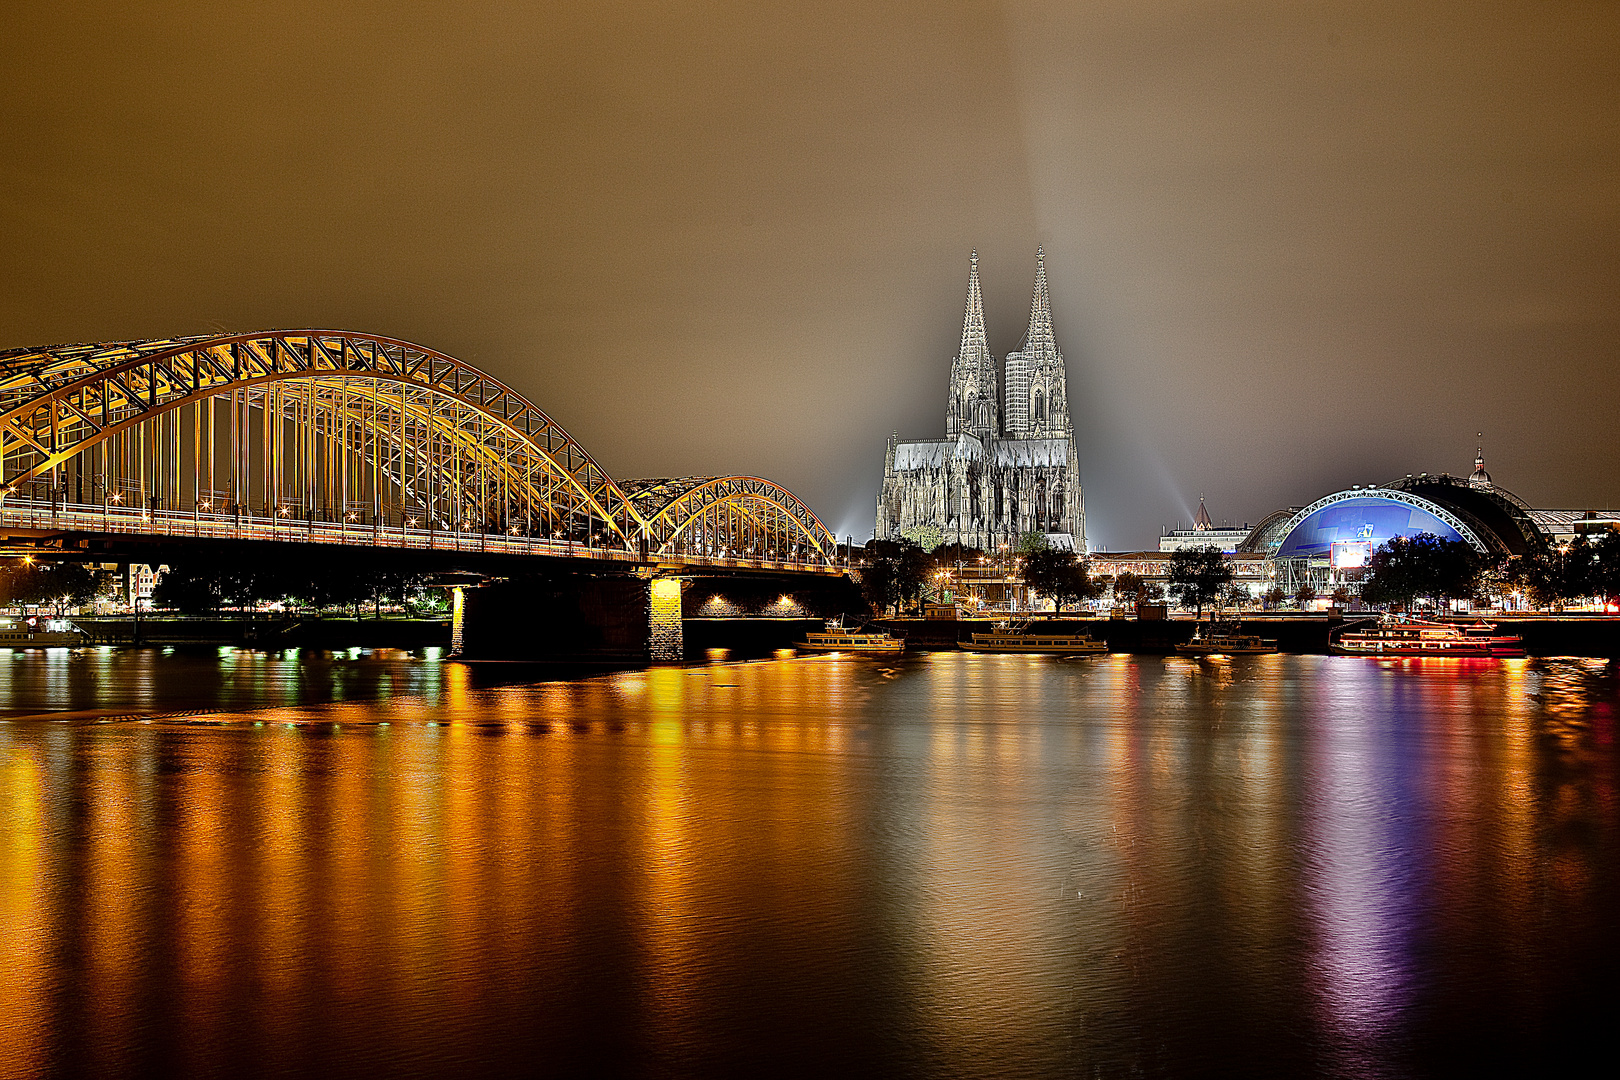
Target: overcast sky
{"x": 1291, "y": 246}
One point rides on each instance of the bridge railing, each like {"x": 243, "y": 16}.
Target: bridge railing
{"x": 41, "y": 516}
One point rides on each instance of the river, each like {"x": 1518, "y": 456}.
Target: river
{"x": 949, "y": 865}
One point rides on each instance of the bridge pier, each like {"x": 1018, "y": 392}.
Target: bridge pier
{"x": 623, "y": 618}
{"x": 666, "y": 632}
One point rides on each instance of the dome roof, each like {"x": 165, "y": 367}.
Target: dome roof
{"x": 1479, "y": 475}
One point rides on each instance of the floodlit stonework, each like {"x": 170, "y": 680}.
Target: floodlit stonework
{"x": 1008, "y": 463}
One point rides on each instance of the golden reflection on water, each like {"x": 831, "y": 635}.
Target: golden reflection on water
{"x": 1002, "y": 857}
{"x": 24, "y": 914}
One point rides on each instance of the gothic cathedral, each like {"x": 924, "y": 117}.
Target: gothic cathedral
{"x": 1008, "y": 463}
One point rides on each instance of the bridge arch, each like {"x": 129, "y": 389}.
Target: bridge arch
{"x": 437, "y": 427}
{"x": 730, "y": 516}
{"x": 327, "y": 425}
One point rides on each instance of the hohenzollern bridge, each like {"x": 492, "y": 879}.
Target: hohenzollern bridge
{"x": 329, "y": 437}
{"x": 343, "y": 438}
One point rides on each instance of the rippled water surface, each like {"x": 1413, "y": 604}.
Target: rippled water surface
{"x": 950, "y": 865}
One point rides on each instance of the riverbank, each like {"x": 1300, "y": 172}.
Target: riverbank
{"x": 1544, "y": 635}
{"x": 273, "y": 632}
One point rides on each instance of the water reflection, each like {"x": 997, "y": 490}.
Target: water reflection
{"x": 953, "y": 865}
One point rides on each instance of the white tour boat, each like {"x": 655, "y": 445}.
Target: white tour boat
{"x": 1402, "y": 636}
{"x": 837, "y": 639}
{"x": 38, "y": 633}
{"x": 1028, "y": 639}
{"x": 1216, "y": 640}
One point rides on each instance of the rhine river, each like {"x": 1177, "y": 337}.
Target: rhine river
{"x": 949, "y": 865}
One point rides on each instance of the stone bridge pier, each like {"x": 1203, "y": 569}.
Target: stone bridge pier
{"x": 639, "y": 617}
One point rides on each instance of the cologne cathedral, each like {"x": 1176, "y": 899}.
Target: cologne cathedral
{"x": 1008, "y": 464}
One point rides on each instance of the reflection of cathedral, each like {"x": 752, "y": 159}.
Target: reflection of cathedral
{"x": 1001, "y": 471}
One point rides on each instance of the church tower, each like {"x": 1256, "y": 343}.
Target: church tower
{"x": 1037, "y": 389}
{"x": 1000, "y": 473}
{"x": 973, "y": 398}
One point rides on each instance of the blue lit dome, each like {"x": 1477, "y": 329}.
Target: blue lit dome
{"x": 1348, "y": 526}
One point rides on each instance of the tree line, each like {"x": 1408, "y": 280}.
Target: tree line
{"x": 31, "y": 584}
{"x": 205, "y": 586}
{"x": 1427, "y": 568}
{"x": 1403, "y": 573}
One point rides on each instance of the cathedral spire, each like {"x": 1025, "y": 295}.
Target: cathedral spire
{"x": 1037, "y": 394}
{"x": 974, "y": 340}
{"x": 1039, "y": 336}
{"x": 973, "y": 375}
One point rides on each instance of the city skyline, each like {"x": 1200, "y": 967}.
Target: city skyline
{"x": 1289, "y": 250}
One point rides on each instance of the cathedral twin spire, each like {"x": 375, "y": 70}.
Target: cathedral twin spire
{"x": 1036, "y": 400}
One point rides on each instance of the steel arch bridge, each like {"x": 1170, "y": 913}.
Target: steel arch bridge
{"x": 344, "y": 437}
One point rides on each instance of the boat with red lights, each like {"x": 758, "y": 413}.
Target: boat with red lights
{"x": 1402, "y": 636}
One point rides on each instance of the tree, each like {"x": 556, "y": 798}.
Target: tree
{"x": 1306, "y": 593}
{"x": 1553, "y": 576}
{"x": 1033, "y": 541}
{"x": 1606, "y": 565}
{"x": 1274, "y": 596}
{"x": 31, "y": 583}
{"x": 1197, "y": 575}
{"x": 1407, "y": 568}
{"x": 894, "y": 573}
{"x": 1129, "y": 589}
{"x": 1234, "y": 595}
{"x": 189, "y": 589}
{"x": 1058, "y": 574}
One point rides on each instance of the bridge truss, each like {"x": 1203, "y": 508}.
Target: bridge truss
{"x": 333, "y": 435}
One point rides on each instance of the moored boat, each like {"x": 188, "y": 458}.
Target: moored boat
{"x": 837, "y": 639}
{"x": 1216, "y": 640}
{"x": 1402, "y": 636}
{"x": 38, "y": 633}
{"x": 1028, "y": 639}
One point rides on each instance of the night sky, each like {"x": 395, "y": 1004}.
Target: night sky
{"x": 1291, "y": 246}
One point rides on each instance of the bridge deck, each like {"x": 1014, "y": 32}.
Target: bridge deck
{"x": 40, "y": 520}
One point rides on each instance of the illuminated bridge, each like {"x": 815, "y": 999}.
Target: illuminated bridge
{"x": 329, "y": 437}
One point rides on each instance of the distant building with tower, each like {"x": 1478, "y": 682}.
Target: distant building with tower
{"x": 1008, "y": 464}
{"x": 1204, "y": 533}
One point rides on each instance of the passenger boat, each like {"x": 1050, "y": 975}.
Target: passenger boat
{"x": 1216, "y": 640}
{"x": 1027, "y": 639}
{"x": 1402, "y": 636}
{"x": 837, "y": 639}
{"x": 38, "y": 634}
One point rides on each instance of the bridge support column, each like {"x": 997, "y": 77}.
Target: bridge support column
{"x": 666, "y": 638}
{"x": 458, "y": 620}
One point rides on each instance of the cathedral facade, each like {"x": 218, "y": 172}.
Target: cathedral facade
{"x": 1008, "y": 464}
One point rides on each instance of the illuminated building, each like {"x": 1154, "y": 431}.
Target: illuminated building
{"x": 1008, "y": 463}
{"x": 1323, "y": 544}
{"x": 1204, "y": 533}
